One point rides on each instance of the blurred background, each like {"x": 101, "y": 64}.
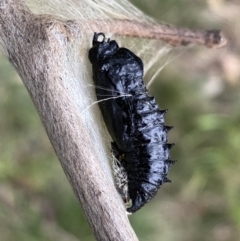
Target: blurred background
{"x": 201, "y": 89}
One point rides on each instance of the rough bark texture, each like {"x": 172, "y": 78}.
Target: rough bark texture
{"x": 36, "y": 46}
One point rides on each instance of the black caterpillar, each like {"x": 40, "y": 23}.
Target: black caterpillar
{"x": 133, "y": 119}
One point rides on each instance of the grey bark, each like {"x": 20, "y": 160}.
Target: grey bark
{"x": 36, "y": 46}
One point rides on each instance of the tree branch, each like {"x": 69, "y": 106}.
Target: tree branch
{"x": 37, "y": 46}
{"x": 164, "y": 32}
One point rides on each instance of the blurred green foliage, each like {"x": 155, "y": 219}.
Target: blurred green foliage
{"x": 202, "y": 203}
